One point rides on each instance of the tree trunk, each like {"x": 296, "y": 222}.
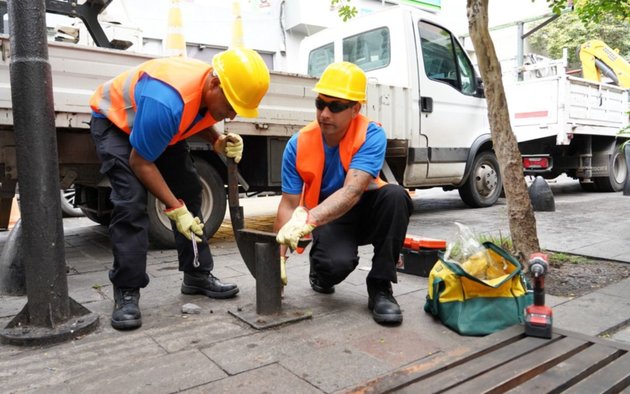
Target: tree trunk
{"x": 520, "y": 212}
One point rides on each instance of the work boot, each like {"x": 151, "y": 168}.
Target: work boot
{"x": 316, "y": 284}
{"x": 385, "y": 309}
{"x": 126, "y": 314}
{"x": 207, "y": 284}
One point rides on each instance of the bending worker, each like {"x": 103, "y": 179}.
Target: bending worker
{"x": 331, "y": 187}
{"x": 140, "y": 123}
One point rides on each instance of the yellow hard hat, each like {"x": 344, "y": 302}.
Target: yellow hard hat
{"x": 244, "y": 79}
{"x": 343, "y": 80}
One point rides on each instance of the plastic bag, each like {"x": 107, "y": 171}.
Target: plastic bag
{"x": 472, "y": 256}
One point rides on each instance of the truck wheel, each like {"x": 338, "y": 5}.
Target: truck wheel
{"x": 67, "y": 203}
{"x": 483, "y": 186}
{"x": 617, "y": 172}
{"x": 213, "y": 204}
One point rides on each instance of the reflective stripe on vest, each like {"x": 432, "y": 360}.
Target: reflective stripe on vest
{"x": 115, "y": 98}
{"x": 310, "y": 161}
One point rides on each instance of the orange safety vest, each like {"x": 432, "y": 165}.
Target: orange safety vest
{"x": 115, "y": 98}
{"x": 310, "y": 160}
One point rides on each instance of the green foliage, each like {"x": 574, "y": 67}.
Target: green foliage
{"x": 595, "y": 11}
{"x": 568, "y": 31}
{"x": 560, "y": 258}
{"x": 345, "y": 11}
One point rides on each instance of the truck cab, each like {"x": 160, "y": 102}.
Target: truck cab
{"x": 425, "y": 92}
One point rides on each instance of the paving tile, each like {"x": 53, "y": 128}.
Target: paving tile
{"x": 268, "y": 379}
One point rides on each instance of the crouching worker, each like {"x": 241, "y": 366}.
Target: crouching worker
{"x": 140, "y": 122}
{"x": 331, "y": 188}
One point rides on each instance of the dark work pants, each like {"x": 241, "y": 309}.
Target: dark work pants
{"x": 129, "y": 226}
{"x": 380, "y": 218}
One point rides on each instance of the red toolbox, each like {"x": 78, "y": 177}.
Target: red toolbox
{"x": 419, "y": 255}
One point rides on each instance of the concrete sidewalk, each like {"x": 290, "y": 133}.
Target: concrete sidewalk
{"x": 339, "y": 348}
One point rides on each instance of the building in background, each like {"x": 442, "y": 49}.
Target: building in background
{"x": 275, "y": 28}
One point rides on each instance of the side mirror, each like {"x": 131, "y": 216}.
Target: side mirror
{"x": 479, "y": 90}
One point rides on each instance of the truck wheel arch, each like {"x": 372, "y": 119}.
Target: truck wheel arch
{"x": 617, "y": 172}
{"x": 481, "y": 185}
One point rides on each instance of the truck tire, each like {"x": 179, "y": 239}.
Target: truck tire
{"x": 484, "y": 185}
{"x": 213, "y": 205}
{"x": 102, "y": 220}
{"x": 617, "y": 173}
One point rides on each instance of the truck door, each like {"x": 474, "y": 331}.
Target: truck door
{"x": 452, "y": 114}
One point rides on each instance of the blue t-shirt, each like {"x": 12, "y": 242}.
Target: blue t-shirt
{"x": 369, "y": 158}
{"x": 159, "y": 110}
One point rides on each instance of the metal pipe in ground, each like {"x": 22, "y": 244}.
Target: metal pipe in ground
{"x": 261, "y": 255}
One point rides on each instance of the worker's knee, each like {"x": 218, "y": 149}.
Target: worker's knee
{"x": 334, "y": 269}
{"x": 396, "y": 198}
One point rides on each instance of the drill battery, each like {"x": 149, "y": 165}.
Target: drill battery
{"x": 538, "y": 321}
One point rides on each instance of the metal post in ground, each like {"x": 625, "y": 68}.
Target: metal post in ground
{"x": 49, "y": 315}
{"x": 261, "y": 254}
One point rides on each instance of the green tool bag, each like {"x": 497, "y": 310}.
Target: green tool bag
{"x": 473, "y": 306}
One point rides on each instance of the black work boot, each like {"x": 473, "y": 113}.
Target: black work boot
{"x": 207, "y": 284}
{"x": 385, "y": 309}
{"x": 316, "y": 284}
{"x": 126, "y": 314}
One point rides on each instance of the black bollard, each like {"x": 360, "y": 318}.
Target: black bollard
{"x": 541, "y": 196}
{"x": 49, "y": 315}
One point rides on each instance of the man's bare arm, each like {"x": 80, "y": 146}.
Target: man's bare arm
{"x": 341, "y": 201}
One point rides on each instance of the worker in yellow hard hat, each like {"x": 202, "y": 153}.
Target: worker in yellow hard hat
{"x": 140, "y": 122}
{"x": 332, "y": 189}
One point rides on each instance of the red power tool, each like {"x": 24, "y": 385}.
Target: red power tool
{"x": 538, "y": 317}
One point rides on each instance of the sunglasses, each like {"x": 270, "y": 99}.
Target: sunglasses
{"x": 333, "y": 106}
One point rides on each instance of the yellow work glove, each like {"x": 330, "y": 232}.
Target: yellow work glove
{"x": 185, "y": 222}
{"x": 283, "y": 270}
{"x": 231, "y": 145}
{"x": 297, "y": 227}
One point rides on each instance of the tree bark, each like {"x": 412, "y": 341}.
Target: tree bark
{"x": 520, "y": 212}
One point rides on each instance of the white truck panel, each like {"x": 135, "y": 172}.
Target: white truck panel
{"x": 564, "y": 106}
{"x": 76, "y": 72}
{"x": 392, "y": 107}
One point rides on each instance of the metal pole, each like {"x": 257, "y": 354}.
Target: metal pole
{"x": 36, "y": 148}
{"x": 48, "y": 307}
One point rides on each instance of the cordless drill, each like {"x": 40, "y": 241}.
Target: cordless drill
{"x": 538, "y": 317}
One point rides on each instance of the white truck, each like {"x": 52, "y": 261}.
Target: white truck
{"x": 423, "y": 89}
{"x": 569, "y": 125}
